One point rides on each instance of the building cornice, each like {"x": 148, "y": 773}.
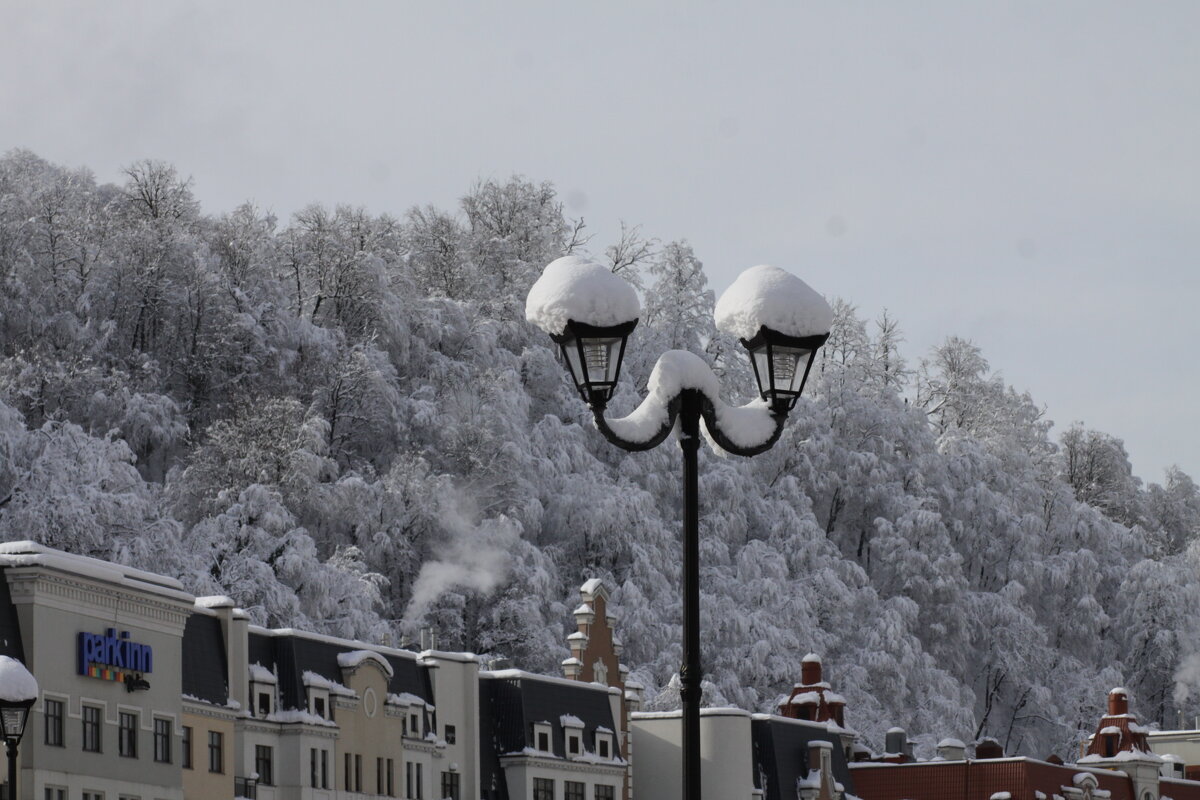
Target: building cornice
{"x": 529, "y": 760}
{"x": 44, "y": 586}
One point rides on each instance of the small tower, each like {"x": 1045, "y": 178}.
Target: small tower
{"x": 595, "y": 658}
{"x": 813, "y": 701}
{"x": 1120, "y": 743}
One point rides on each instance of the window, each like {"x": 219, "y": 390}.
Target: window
{"x": 185, "y": 747}
{"x": 451, "y": 734}
{"x": 264, "y": 757}
{"x": 379, "y": 784}
{"x": 324, "y": 769}
{"x": 216, "y": 754}
{"x": 127, "y": 735}
{"x": 162, "y": 740}
{"x": 413, "y": 780}
{"x": 391, "y": 778}
{"x": 319, "y": 707}
{"x": 53, "y": 710}
{"x": 604, "y": 744}
{"x": 414, "y": 725}
{"x": 573, "y": 790}
{"x": 55, "y": 793}
{"x": 346, "y": 774}
{"x": 450, "y": 786}
{"x": 91, "y": 729}
{"x": 573, "y": 745}
{"x": 264, "y": 704}
{"x": 605, "y": 792}
{"x": 358, "y": 773}
{"x": 92, "y": 795}
{"x": 314, "y": 774}
{"x": 543, "y": 789}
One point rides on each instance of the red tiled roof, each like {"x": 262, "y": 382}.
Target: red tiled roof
{"x": 979, "y": 780}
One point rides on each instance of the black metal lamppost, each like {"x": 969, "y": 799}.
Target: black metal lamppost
{"x": 590, "y": 313}
{"x": 18, "y": 692}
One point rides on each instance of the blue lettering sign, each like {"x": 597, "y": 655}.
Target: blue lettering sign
{"x": 107, "y": 655}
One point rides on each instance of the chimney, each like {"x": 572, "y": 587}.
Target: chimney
{"x": 896, "y": 742}
{"x": 1118, "y": 702}
{"x": 810, "y": 670}
{"x": 952, "y": 750}
{"x": 988, "y": 748}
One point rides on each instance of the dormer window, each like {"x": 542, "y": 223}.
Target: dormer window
{"x": 318, "y": 702}
{"x": 262, "y": 690}
{"x": 604, "y": 743}
{"x": 263, "y": 703}
{"x": 573, "y": 733}
{"x": 541, "y": 736}
{"x": 414, "y": 725}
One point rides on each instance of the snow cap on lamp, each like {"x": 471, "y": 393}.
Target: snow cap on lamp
{"x": 766, "y": 296}
{"x": 574, "y": 288}
{"x": 17, "y": 683}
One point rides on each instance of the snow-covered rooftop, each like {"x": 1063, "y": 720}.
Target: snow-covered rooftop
{"x": 30, "y": 554}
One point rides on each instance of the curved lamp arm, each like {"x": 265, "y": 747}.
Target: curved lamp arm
{"x": 637, "y": 445}
{"x": 653, "y": 420}
{"x": 710, "y": 412}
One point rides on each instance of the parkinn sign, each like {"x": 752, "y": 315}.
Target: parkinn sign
{"x": 109, "y": 657}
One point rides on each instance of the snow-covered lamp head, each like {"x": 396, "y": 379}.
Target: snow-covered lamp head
{"x": 589, "y": 313}
{"x": 782, "y": 322}
{"x": 18, "y": 691}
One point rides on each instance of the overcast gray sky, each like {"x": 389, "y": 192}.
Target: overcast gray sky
{"x": 1026, "y": 175}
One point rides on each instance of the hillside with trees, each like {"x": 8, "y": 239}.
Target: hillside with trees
{"x": 343, "y": 421}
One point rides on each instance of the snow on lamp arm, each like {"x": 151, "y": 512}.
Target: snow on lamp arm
{"x": 590, "y": 312}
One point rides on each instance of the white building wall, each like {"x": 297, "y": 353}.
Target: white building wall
{"x": 726, "y": 754}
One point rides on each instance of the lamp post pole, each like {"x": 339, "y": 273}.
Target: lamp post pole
{"x": 10, "y": 747}
{"x": 590, "y": 312}
{"x": 690, "y": 672}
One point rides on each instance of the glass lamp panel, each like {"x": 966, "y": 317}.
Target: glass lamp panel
{"x": 787, "y": 368}
{"x": 570, "y": 351}
{"x": 762, "y": 370}
{"x": 13, "y": 721}
{"x": 601, "y": 357}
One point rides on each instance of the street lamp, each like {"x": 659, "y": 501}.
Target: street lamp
{"x": 589, "y": 312}
{"x": 18, "y": 691}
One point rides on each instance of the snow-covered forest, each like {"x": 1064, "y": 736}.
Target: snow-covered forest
{"x": 343, "y": 421}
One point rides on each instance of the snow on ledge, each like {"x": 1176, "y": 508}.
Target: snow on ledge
{"x": 355, "y": 658}
{"x": 579, "y": 289}
{"x": 766, "y": 295}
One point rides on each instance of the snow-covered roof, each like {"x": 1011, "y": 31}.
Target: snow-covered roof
{"x": 406, "y": 699}
{"x": 32, "y": 554}
{"x": 354, "y": 658}
{"x": 17, "y": 683}
{"x": 295, "y": 715}
{"x": 570, "y": 721}
{"x": 579, "y": 289}
{"x": 260, "y": 674}
{"x": 522, "y": 675}
{"x": 766, "y": 295}
{"x": 583, "y": 608}
{"x": 318, "y": 681}
{"x": 951, "y": 742}
{"x": 811, "y": 658}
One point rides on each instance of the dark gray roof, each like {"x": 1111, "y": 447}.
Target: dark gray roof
{"x": 781, "y": 755}
{"x": 289, "y": 656}
{"x": 510, "y": 703}
{"x": 10, "y": 629}
{"x": 204, "y": 666}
